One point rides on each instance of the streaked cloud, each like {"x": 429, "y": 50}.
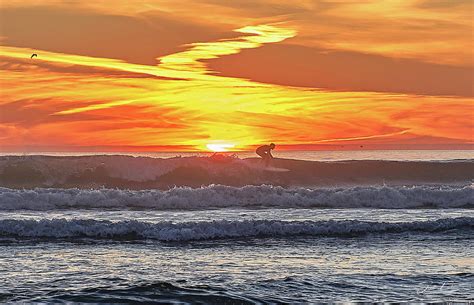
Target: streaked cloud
{"x": 183, "y": 89}
{"x": 293, "y": 65}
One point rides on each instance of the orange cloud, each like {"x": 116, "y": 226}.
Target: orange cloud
{"x": 179, "y": 100}
{"x": 437, "y": 31}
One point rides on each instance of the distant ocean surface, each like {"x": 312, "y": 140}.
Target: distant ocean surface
{"x": 194, "y": 228}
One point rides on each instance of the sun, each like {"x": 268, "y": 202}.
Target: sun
{"x": 219, "y": 147}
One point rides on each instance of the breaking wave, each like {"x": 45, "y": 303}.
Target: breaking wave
{"x": 146, "y": 173}
{"x": 219, "y": 196}
{"x": 223, "y": 229}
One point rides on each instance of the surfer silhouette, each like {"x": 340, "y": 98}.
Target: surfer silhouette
{"x": 265, "y": 152}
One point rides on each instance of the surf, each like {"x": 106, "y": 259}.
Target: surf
{"x": 127, "y": 172}
{"x": 221, "y": 196}
{"x": 208, "y": 230}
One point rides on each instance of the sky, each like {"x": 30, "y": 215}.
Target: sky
{"x": 158, "y": 75}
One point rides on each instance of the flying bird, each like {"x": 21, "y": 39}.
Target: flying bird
{"x": 33, "y": 55}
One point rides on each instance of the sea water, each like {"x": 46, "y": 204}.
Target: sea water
{"x": 312, "y": 155}
{"x": 225, "y": 244}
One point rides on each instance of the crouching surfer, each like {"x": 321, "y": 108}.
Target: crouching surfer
{"x": 265, "y": 152}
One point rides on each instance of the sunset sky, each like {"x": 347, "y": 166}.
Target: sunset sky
{"x": 189, "y": 75}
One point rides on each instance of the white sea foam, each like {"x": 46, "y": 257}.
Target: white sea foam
{"x": 167, "y": 231}
{"x": 219, "y": 196}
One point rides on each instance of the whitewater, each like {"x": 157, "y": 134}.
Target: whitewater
{"x": 223, "y": 229}
{"x": 220, "y": 196}
{"x": 186, "y": 231}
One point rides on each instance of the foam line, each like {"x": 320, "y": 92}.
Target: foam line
{"x": 166, "y": 231}
{"x": 219, "y": 196}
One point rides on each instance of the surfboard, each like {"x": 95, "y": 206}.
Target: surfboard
{"x": 275, "y": 169}
{"x": 260, "y": 166}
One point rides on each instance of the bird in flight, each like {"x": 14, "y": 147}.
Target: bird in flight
{"x": 33, "y": 55}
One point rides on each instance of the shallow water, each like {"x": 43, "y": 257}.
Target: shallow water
{"x": 374, "y": 266}
{"x": 242, "y": 214}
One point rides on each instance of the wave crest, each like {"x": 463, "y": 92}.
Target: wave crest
{"x": 223, "y": 229}
{"x": 219, "y": 196}
{"x": 145, "y": 173}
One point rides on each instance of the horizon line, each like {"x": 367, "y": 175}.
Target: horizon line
{"x": 187, "y": 149}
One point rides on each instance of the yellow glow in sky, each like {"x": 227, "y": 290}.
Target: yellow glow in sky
{"x": 219, "y": 147}
{"x": 161, "y": 91}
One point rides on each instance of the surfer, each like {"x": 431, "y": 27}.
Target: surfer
{"x": 265, "y": 152}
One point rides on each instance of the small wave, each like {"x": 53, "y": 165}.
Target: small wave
{"x": 155, "y": 292}
{"x": 222, "y": 229}
{"x": 161, "y": 292}
{"x": 219, "y": 196}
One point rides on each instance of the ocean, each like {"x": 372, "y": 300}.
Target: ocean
{"x": 342, "y": 226}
